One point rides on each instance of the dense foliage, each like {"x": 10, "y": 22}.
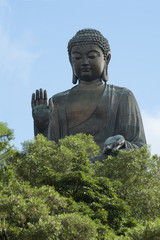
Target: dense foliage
{"x": 54, "y": 191}
{"x": 137, "y": 173}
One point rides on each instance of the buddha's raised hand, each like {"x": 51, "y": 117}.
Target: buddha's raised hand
{"x": 40, "y": 107}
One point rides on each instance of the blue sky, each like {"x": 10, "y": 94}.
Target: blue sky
{"x": 33, "y": 54}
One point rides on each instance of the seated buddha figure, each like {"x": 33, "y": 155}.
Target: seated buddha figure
{"x": 109, "y": 113}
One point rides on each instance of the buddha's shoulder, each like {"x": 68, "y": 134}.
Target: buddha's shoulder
{"x": 118, "y": 90}
{"x": 59, "y": 97}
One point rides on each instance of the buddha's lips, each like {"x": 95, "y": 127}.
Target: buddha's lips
{"x": 85, "y": 69}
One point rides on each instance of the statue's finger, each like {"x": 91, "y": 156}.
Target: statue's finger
{"x": 121, "y": 144}
{"x": 37, "y": 98}
{"x": 37, "y": 94}
{"x": 115, "y": 148}
{"x": 118, "y": 146}
{"x": 50, "y": 104}
{"x": 41, "y": 93}
{"x": 33, "y": 100}
{"x": 41, "y": 96}
{"x": 45, "y": 97}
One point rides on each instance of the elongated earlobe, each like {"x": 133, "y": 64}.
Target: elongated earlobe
{"x": 105, "y": 71}
{"x": 105, "y": 74}
{"x": 74, "y": 79}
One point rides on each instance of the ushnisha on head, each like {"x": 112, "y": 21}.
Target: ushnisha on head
{"x": 91, "y": 37}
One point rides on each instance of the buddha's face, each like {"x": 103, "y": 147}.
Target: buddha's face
{"x": 87, "y": 62}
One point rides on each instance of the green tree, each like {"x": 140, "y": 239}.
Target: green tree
{"x": 54, "y": 191}
{"x": 49, "y": 191}
{"x": 139, "y": 186}
{"x": 6, "y": 135}
{"x": 149, "y": 231}
{"x": 68, "y": 168}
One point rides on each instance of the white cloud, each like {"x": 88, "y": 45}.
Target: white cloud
{"x": 152, "y": 130}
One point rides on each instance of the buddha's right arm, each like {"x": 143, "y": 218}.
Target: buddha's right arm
{"x": 41, "y": 114}
{"x": 43, "y": 129}
{"x": 41, "y": 120}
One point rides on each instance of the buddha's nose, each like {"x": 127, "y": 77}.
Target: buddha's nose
{"x": 84, "y": 61}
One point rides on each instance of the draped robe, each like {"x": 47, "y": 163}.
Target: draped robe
{"x": 116, "y": 113}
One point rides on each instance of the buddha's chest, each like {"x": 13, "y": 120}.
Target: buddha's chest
{"x": 81, "y": 104}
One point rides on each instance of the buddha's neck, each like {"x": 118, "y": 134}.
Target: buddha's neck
{"x": 91, "y": 85}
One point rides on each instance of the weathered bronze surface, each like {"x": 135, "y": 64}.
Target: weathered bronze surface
{"x": 107, "y": 112}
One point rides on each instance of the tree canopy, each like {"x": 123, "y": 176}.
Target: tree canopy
{"x": 54, "y": 191}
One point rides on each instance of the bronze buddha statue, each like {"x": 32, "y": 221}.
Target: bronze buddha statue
{"x": 109, "y": 113}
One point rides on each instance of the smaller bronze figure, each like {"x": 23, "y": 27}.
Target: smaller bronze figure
{"x": 109, "y": 113}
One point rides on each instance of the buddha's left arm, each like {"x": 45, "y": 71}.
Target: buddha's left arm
{"x": 129, "y": 121}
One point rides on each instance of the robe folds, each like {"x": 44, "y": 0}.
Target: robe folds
{"x": 117, "y": 113}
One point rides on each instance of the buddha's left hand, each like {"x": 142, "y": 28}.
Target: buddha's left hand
{"x": 113, "y": 144}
